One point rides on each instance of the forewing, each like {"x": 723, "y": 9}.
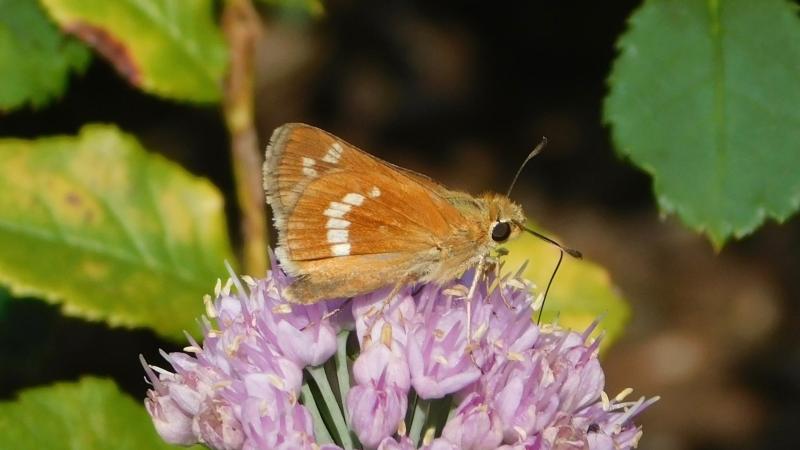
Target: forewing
{"x": 331, "y": 200}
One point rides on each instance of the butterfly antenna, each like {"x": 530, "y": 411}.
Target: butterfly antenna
{"x": 570, "y": 251}
{"x": 535, "y": 152}
{"x": 549, "y": 282}
{"x": 562, "y": 249}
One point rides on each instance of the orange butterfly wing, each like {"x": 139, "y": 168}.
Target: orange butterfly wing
{"x": 345, "y": 217}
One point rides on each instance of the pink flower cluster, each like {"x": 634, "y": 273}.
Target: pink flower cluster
{"x": 272, "y": 375}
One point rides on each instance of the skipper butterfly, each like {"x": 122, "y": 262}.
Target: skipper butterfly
{"x": 349, "y": 223}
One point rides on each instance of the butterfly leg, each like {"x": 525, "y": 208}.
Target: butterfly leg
{"x": 470, "y": 294}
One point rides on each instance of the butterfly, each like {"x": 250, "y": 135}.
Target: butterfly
{"x": 349, "y": 223}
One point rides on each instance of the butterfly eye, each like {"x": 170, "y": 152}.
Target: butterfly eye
{"x": 501, "y": 231}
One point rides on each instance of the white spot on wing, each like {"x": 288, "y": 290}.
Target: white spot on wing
{"x": 353, "y": 199}
{"x": 333, "y": 154}
{"x": 337, "y": 223}
{"x": 340, "y": 249}
{"x": 337, "y": 210}
{"x": 338, "y": 236}
{"x": 374, "y": 192}
{"x": 308, "y": 167}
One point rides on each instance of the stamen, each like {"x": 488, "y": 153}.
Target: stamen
{"x": 516, "y": 283}
{"x": 226, "y": 290}
{"x": 605, "y": 400}
{"x": 283, "y": 308}
{"x": 234, "y": 347}
{"x": 538, "y": 303}
{"x": 514, "y": 356}
{"x": 624, "y": 393}
{"x": 480, "y": 331}
{"x": 386, "y": 335}
{"x": 211, "y": 310}
{"x": 161, "y": 370}
{"x": 429, "y": 435}
{"x": 275, "y": 381}
{"x": 217, "y": 287}
{"x": 401, "y": 429}
{"x": 458, "y": 290}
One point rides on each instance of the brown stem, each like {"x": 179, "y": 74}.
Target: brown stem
{"x": 241, "y": 26}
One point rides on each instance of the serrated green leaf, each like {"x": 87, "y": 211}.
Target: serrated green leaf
{"x": 89, "y": 414}
{"x": 581, "y": 292}
{"x": 108, "y": 230}
{"x": 35, "y": 58}
{"x": 704, "y": 96}
{"x": 165, "y": 47}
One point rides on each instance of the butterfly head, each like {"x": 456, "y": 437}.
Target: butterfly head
{"x": 505, "y": 218}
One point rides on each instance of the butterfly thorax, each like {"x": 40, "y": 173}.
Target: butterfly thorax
{"x": 475, "y": 235}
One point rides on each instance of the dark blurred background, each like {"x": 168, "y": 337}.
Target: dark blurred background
{"x": 462, "y": 92}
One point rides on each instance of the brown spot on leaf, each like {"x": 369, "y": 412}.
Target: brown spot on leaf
{"x": 76, "y": 201}
{"x": 109, "y": 46}
{"x": 73, "y": 199}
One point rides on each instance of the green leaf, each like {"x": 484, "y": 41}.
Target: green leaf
{"x": 704, "y": 97}
{"x": 165, "y": 47}
{"x": 89, "y": 414}
{"x": 35, "y": 58}
{"x": 581, "y": 291}
{"x": 109, "y": 230}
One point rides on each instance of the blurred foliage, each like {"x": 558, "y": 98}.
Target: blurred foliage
{"x": 581, "y": 293}
{"x": 704, "y": 97}
{"x": 297, "y": 8}
{"x": 35, "y": 58}
{"x": 91, "y": 413}
{"x": 109, "y": 230}
{"x": 168, "y": 48}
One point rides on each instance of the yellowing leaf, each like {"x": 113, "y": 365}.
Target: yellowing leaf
{"x": 581, "y": 292}
{"x": 165, "y": 47}
{"x": 108, "y": 230}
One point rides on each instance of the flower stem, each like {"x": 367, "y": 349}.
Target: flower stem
{"x": 438, "y": 413}
{"x": 342, "y": 370}
{"x": 318, "y": 373}
{"x": 241, "y": 26}
{"x": 413, "y": 398}
{"x": 321, "y": 433}
{"x": 418, "y": 421}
